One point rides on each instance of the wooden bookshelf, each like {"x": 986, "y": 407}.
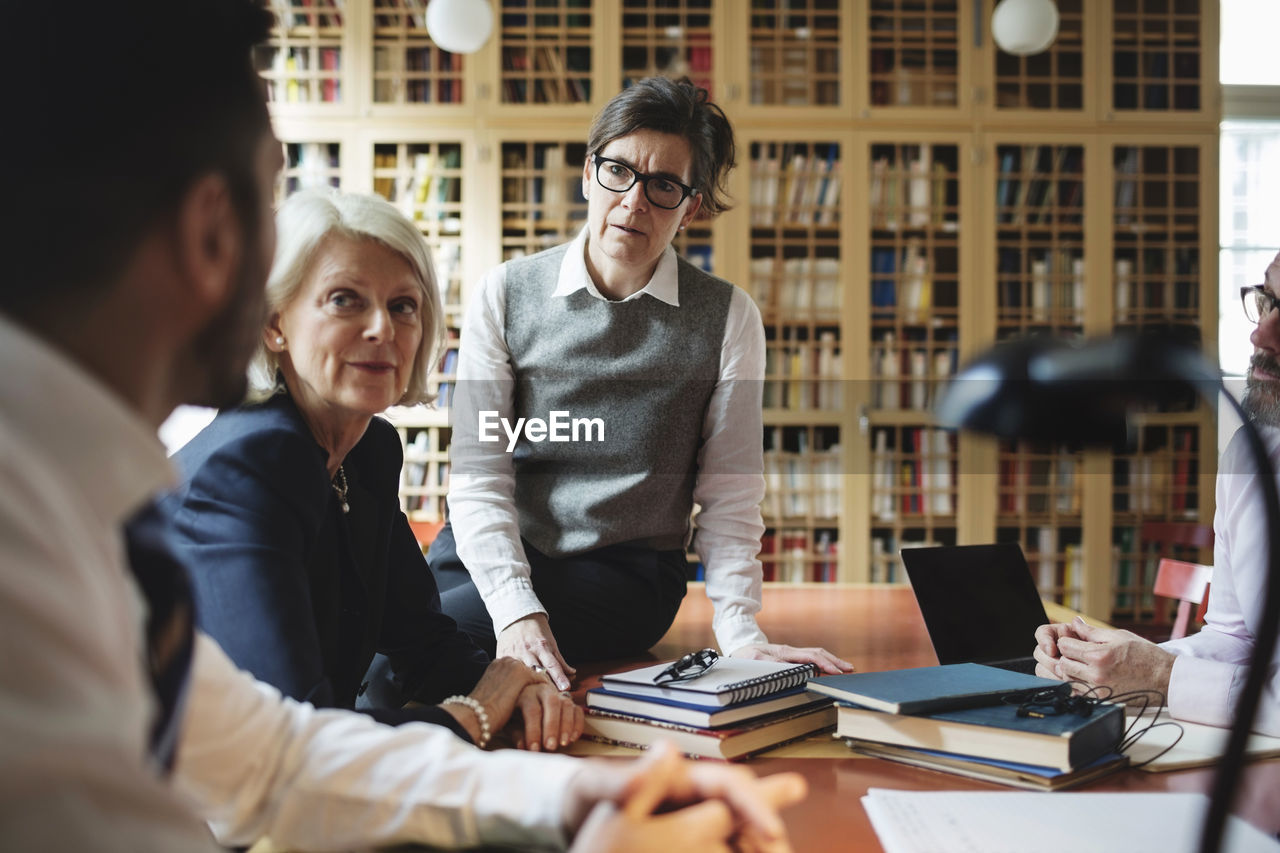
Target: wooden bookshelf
{"x": 547, "y": 53}
{"x": 408, "y": 68}
{"x": 795, "y": 52}
{"x": 913, "y": 53}
{"x": 906, "y": 195}
{"x": 671, "y": 38}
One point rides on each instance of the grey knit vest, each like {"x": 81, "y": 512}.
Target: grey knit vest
{"x": 646, "y": 370}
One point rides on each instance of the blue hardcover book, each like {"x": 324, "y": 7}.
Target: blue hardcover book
{"x": 928, "y": 689}
{"x": 883, "y": 289}
{"x": 1033, "y": 777}
{"x": 994, "y": 732}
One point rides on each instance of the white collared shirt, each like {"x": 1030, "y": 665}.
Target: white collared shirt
{"x": 76, "y": 704}
{"x": 1211, "y": 665}
{"x": 482, "y": 497}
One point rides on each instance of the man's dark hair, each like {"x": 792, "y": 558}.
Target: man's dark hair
{"x": 680, "y": 108}
{"x": 120, "y": 107}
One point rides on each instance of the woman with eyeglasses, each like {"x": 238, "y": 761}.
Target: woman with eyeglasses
{"x": 605, "y": 387}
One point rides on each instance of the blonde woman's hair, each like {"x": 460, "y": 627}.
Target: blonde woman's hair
{"x": 302, "y": 223}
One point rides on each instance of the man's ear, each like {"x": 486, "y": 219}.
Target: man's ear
{"x": 210, "y": 242}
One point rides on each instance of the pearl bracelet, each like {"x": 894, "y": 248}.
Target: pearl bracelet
{"x": 481, "y": 715}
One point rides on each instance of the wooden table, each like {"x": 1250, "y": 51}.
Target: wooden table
{"x": 879, "y": 627}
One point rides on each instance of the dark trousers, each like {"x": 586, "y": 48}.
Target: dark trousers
{"x": 612, "y": 602}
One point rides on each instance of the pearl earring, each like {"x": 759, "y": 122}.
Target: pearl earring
{"x": 279, "y": 340}
{"x": 681, "y": 227}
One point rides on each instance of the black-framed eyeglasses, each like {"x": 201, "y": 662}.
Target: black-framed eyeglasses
{"x": 688, "y": 667}
{"x": 1258, "y": 302}
{"x": 618, "y": 177}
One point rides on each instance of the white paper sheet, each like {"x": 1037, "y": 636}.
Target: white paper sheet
{"x": 1199, "y": 745}
{"x": 1058, "y": 822}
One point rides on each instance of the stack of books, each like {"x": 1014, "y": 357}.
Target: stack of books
{"x": 734, "y": 709}
{"x": 970, "y": 720}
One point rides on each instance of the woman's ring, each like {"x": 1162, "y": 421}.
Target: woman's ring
{"x": 538, "y": 669}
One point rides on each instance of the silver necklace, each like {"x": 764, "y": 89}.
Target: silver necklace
{"x": 339, "y": 484}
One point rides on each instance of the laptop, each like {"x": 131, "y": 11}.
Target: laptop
{"x": 979, "y": 603}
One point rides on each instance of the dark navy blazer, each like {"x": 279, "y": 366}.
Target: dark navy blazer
{"x": 299, "y": 593}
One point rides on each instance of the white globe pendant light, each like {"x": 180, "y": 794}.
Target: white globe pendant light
{"x": 459, "y": 26}
{"x": 1020, "y": 27}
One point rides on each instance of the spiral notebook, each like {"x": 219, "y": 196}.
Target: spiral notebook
{"x": 730, "y": 681}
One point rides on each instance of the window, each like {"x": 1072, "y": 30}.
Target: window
{"x": 1249, "y": 167}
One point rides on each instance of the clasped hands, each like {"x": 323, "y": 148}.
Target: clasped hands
{"x": 1101, "y": 657}
{"x": 662, "y": 802}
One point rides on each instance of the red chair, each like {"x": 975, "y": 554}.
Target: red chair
{"x": 425, "y": 532}
{"x": 1189, "y": 584}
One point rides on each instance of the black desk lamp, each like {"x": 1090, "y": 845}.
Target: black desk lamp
{"x": 1042, "y": 388}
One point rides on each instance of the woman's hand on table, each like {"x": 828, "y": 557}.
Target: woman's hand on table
{"x": 551, "y": 718}
{"x": 662, "y": 802}
{"x": 827, "y": 663}
{"x": 530, "y": 640}
{"x": 507, "y": 685}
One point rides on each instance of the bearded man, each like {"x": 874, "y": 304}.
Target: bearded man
{"x": 1202, "y": 675}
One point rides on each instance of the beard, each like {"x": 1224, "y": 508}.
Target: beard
{"x": 219, "y": 357}
{"x": 1261, "y": 401}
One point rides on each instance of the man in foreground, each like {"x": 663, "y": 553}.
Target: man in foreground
{"x": 1202, "y": 674}
{"x": 134, "y": 275}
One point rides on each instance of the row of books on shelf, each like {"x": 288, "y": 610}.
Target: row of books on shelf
{"x": 914, "y": 477}
{"x": 448, "y": 370}
{"x": 305, "y": 75}
{"x": 794, "y": 184}
{"x": 546, "y": 74}
{"x": 796, "y": 285}
{"x": 800, "y": 485}
{"x": 675, "y": 59}
{"x": 732, "y": 709}
{"x": 540, "y": 179}
{"x": 554, "y": 14}
{"x": 1058, "y": 567}
{"x": 908, "y": 373}
{"x": 1170, "y": 281}
{"x": 803, "y": 375}
{"x": 886, "y": 564}
{"x": 1133, "y": 573}
{"x": 795, "y": 75}
{"x": 1158, "y": 482}
{"x": 797, "y": 556}
{"x": 976, "y": 721}
{"x": 400, "y": 13}
{"x": 313, "y": 165}
{"x": 1039, "y": 483}
{"x": 416, "y": 74}
{"x": 1042, "y": 286}
{"x": 902, "y": 282}
{"x": 430, "y": 193}
{"x": 321, "y": 14}
{"x": 423, "y": 479}
{"x": 911, "y": 193}
{"x": 1037, "y": 180}
{"x": 1133, "y": 570}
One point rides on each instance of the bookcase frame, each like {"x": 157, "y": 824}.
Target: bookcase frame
{"x": 983, "y": 114}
